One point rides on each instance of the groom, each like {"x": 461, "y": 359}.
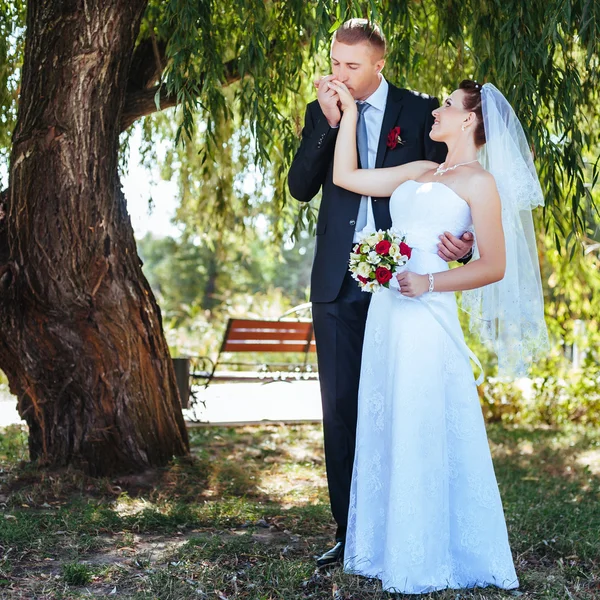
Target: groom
{"x": 395, "y": 126}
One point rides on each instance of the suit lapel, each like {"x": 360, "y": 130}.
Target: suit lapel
{"x": 393, "y": 108}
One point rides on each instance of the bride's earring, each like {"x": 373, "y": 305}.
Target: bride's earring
{"x": 463, "y": 127}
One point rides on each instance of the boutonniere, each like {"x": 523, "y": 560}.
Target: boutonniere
{"x": 394, "y": 138}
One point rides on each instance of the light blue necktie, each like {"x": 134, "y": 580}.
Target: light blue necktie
{"x": 362, "y": 140}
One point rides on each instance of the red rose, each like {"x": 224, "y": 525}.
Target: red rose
{"x": 383, "y": 275}
{"x": 393, "y": 138}
{"x": 383, "y": 247}
{"x": 363, "y": 279}
{"x": 405, "y": 249}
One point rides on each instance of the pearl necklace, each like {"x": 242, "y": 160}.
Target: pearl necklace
{"x": 440, "y": 171}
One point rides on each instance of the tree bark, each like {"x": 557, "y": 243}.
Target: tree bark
{"x": 81, "y": 337}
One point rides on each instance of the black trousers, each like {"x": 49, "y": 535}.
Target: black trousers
{"x": 339, "y": 331}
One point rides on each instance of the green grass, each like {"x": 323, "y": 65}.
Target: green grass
{"x": 76, "y": 574}
{"x": 245, "y": 516}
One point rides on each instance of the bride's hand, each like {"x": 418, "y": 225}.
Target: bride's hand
{"x": 347, "y": 102}
{"x": 412, "y": 284}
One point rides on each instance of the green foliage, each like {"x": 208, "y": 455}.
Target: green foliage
{"x": 501, "y": 401}
{"x": 3, "y": 382}
{"x": 572, "y": 289}
{"x": 199, "y": 284}
{"x": 242, "y": 70}
{"x": 567, "y": 396}
{"x": 13, "y": 444}
{"x": 177, "y": 272}
{"x": 77, "y": 574}
{"x": 556, "y": 395}
{"x": 543, "y": 56}
{"x": 12, "y": 39}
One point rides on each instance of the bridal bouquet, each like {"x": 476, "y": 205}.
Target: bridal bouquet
{"x": 376, "y": 257}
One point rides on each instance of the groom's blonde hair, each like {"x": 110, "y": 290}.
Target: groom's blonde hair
{"x": 356, "y": 31}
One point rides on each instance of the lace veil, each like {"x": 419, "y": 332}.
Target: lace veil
{"x": 509, "y": 315}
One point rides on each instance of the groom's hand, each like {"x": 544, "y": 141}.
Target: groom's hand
{"x": 328, "y": 101}
{"x": 452, "y": 248}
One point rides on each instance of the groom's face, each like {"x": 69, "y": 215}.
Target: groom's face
{"x": 358, "y": 66}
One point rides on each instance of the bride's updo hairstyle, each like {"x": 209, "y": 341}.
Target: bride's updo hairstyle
{"x": 472, "y": 103}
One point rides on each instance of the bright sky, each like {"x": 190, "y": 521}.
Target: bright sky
{"x": 141, "y": 185}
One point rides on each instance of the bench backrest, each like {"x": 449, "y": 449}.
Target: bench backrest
{"x": 247, "y": 335}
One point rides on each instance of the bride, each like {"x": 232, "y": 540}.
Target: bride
{"x": 425, "y": 510}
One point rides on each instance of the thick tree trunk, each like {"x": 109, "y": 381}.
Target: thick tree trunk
{"x": 80, "y": 332}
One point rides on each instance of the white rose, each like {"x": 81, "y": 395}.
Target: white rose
{"x": 363, "y": 269}
{"x": 394, "y": 252}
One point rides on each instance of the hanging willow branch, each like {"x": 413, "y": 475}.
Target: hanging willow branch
{"x": 542, "y": 54}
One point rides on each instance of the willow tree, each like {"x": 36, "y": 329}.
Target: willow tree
{"x": 80, "y": 331}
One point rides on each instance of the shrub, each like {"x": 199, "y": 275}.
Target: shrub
{"x": 555, "y": 395}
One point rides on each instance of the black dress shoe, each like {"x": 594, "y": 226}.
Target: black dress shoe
{"x": 333, "y": 556}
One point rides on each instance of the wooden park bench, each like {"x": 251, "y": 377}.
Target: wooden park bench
{"x": 251, "y": 351}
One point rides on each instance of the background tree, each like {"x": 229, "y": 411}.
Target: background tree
{"x": 80, "y": 331}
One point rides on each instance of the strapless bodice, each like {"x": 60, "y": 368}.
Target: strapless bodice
{"x": 424, "y": 211}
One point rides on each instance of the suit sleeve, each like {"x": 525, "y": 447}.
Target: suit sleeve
{"x": 435, "y": 151}
{"x": 309, "y": 167}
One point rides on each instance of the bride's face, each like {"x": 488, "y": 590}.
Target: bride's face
{"x": 450, "y": 118}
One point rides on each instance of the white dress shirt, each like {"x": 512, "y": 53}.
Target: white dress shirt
{"x": 373, "y": 120}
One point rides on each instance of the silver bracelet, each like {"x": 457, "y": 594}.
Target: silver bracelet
{"x": 430, "y": 282}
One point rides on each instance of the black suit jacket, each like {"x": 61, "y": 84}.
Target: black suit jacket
{"x": 312, "y": 169}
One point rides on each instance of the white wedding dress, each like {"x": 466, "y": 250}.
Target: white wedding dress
{"x": 425, "y": 511}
